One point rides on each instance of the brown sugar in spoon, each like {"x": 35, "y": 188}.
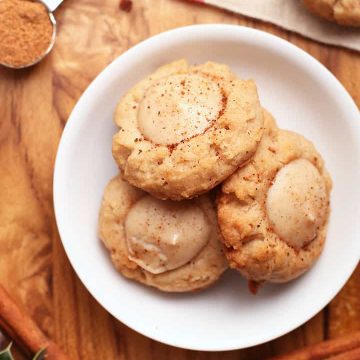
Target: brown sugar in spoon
{"x": 27, "y": 31}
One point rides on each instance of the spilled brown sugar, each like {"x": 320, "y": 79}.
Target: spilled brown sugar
{"x": 25, "y": 31}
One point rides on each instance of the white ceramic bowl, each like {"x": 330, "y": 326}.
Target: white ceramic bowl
{"x": 303, "y": 96}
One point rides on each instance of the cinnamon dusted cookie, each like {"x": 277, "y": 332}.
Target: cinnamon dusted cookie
{"x": 273, "y": 211}
{"x": 184, "y": 129}
{"x": 344, "y": 12}
{"x": 173, "y": 246}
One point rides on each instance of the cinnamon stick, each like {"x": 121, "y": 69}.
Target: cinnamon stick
{"x": 24, "y": 331}
{"x": 334, "y": 349}
{"x": 349, "y": 355}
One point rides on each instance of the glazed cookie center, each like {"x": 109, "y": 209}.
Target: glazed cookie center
{"x": 164, "y": 235}
{"x": 297, "y": 203}
{"x": 179, "y": 107}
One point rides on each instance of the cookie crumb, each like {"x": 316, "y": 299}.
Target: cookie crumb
{"x": 253, "y": 286}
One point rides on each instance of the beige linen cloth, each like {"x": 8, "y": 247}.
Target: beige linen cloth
{"x": 292, "y": 15}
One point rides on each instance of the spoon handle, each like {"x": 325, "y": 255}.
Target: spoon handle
{"x": 52, "y": 4}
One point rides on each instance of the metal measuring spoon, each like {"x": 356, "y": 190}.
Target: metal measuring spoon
{"x": 51, "y": 6}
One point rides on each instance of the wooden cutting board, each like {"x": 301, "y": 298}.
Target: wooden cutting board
{"x": 34, "y": 107}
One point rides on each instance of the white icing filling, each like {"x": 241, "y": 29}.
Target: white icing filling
{"x": 179, "y": 107}
{"x": 297, "y": 203}
{"x": 164, "y": 235}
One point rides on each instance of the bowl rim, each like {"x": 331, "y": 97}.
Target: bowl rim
{"x": 282, "y": 46}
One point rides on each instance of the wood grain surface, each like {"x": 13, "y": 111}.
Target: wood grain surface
{"x": 34, "y": 107}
